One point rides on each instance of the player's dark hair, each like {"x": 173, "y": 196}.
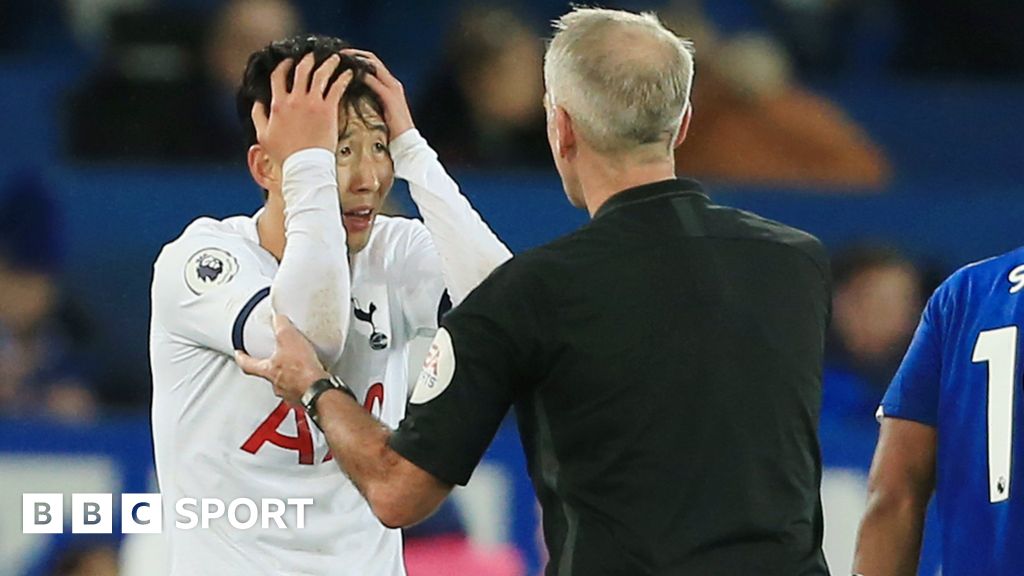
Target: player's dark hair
{"x": 256, "y": 80}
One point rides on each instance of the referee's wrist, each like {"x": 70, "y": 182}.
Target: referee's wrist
{"x": 316, "y": 401}
{"x": 317, "y": 389}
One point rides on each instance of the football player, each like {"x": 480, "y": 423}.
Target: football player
{"x": 329, "y": 130}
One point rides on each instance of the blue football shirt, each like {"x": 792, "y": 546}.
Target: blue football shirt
{"x": 962, "y": 375}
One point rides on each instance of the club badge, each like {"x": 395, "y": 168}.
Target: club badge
{"x": 378, "y": 340}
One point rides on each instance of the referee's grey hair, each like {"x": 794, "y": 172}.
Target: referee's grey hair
{"x": 624, "y": 78}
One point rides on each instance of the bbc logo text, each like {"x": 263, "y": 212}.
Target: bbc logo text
{"x": 94, "y": 513}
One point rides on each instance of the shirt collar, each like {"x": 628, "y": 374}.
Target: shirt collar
{"x": 642, "y": 193}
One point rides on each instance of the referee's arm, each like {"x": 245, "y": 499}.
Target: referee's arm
{"x": 399, "y": 492}
{"x": 452, "y": 415}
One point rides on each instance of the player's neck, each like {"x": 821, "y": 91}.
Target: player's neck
{"x": 270, "y": 228}
{"x": 602, "y": 180}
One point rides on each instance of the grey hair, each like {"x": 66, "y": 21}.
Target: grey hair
{"x": 624, "y": 78}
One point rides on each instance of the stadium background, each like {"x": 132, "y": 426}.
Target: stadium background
{"x": 936, "y": 90}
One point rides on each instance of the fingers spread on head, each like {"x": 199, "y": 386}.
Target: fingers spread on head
{"x": 324, "y": 72}
{"x": 300, "y": 84}
{"x": 361, "y": 53}
{"x": 338, "y": 88}
{"x": 375, "y": 84}
{"x": 379, "y": 69}
{"x": 278, "y": 82}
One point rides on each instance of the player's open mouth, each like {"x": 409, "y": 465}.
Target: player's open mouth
{"x": 358, "y": 219}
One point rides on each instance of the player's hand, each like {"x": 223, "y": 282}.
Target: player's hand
{"x": 390, "y": 91}
{"x": 292, "y": 369}
{"x": 305, "y": 117}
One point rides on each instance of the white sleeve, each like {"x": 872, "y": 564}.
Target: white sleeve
{"x": 312, "y": 285}
{"x": 206, "y": 289}
{"x": 421, "y": 287}
{"x": 209, "y": 289}
{"x": 468, "y": 249}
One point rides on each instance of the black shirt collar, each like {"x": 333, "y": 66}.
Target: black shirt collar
{"x": 664, "y": 188}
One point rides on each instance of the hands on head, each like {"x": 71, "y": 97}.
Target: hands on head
{"x": 390, "y": 91}
{"x": 301, "y": 118}
{"x": 307, "y": 115}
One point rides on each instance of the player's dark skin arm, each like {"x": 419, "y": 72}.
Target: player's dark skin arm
{"x": 399, "y": 492}
{"x": 899, "y": 486}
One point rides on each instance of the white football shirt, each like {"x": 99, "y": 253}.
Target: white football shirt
{"x": 221, "y": 434}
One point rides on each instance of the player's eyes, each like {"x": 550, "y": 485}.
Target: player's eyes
{"x": 380, "y": 147}
{"x": 345, "y": 151}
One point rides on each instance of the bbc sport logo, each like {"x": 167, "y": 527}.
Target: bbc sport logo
{"x": 143, "y": 513}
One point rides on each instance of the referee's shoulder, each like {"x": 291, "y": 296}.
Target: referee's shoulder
{"x": 527, "y": 273}
{"x": 525, "y": 265}
{"x": 758, "y": 228}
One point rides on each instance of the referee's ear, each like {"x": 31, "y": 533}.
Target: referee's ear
{"x": 262, "y": 168}
{"x": 565, "y": 134}
{"x": 684, "y": 126}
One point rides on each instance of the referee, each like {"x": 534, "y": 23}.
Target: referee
{"x": 664, "y": 360}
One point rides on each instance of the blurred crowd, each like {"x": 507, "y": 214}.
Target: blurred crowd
{"x": 163, "y": 74}
{"x": 878, "y": 297}
{"x": 159, "y": 88}
{"x": 44, "y": 360}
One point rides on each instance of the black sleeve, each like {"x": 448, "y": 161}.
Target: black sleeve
{"x": 479, "y": 363}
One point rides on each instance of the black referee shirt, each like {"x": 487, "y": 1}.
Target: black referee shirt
{"x": 665, "y": 365}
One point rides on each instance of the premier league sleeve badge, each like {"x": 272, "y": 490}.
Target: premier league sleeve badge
{"x": 209, "y": 268}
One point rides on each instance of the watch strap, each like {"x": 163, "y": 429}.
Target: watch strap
{"x": 317, "y": 389}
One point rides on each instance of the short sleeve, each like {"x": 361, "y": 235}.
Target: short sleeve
{"x": 206, "y": 289}
{"x": 914, "y": 391}
{"x": 482, "y": 359}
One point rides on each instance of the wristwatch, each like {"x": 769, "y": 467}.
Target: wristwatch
{"x": 313, "y": 393}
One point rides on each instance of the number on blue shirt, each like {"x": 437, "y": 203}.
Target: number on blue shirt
{"x": 998, "y": 348}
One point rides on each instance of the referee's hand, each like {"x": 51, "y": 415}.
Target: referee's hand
{"x": 294, "y": 366}
{"x": 306, "y": 116}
